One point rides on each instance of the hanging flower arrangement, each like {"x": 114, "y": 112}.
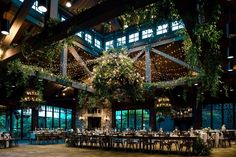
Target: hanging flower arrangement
{"x": 116, "y": 78}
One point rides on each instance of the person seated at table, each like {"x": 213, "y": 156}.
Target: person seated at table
{"x": 191, "y": 132}
{"x": 176, "y": 131}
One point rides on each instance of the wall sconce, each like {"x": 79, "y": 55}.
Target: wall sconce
{"x": 107, "y": 118}
{"x": 229, "y": 67}
{"x": 42, "y": 5}
{"x": 81, "y": 118}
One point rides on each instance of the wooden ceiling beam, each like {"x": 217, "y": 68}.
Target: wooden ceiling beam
{"x": 18, "y": 20}
{"x": 176, "y": 60}
{"x": 102, "y": 12}
{"x": 79, "y": 60}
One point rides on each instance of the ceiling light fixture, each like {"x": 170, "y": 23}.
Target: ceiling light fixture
{"x": 230, "y": 53}
{"x": 5, "y": 26}
{"x": 229, "y": 68}
{"x": 68, "y": 4}
{"x": 42, "y": 5}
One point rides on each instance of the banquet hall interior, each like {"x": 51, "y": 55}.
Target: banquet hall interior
{"x": 106, "y": 77}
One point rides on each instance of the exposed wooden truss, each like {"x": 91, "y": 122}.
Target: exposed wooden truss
{"x": 79, "y": 59}
{"x": 93, "y": 16}
{"x": 176, "y": 60}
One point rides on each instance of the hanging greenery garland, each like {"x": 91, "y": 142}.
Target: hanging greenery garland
{"x": 116, "y": 78}
{"x": 156, "y": 12}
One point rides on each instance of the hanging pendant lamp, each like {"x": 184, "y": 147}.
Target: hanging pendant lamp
{"x": 5, "y": 26}
{"x": 42, "y": 5}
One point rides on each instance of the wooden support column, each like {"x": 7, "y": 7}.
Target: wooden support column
{"x": 138, "y": 55}
{"x": 148, "y": 71}
{"x": 53, "y": 11}
{"x": 63, "y": 62}
{"x": 34, "y": 119}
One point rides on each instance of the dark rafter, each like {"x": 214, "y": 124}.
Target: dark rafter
{"x": 102, "y": 12}
{"x": 18, "y": 21}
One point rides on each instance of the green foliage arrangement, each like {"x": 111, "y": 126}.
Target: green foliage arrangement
{"x": 203, "y": 50}
{"x": 200, "y": 148}
{"x": 155, "y": 12}
{"x": 116, "y": 78}
{"x": 15, "y": 77}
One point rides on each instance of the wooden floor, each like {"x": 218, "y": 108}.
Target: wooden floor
{"x": 60, "y": 150}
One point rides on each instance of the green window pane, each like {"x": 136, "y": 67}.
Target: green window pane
{"x": 228, "y": 115}
{"x": 49, "y": 116}
{"x": 63, "y": 118}
{"x": 206, "y": 116}
{"x": 124, "y": 119}
{"x": 3, "y": 122}
{"x": 56, "y": 117}
{"x": 146, "y": 119}
{"x": 118, "y": 120}
{"x": 139, "y": 119}
{"x": 16, "y": 123}
{"x": 27, "y": 122}
{"x": 217, "y": 116}
{"x": 131, "y": 119}
{"x": 41, "y": 118}
{"x": 69, "y": 118}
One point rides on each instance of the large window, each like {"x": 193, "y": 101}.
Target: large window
{"x": 139, "y": 123}
{"x": 56, "y": 117}
{"x": 97, "y": 43}
{"x": 118, "y": 120}
{"x": 4, "y": 121}
{"x": 69, "y": 118}
{"x": 79, "y": 34}
{"x": 217, "y": 116}
{"x": 147, "y": 33}
{"x": 42, "y": 116}
{"x": 162, "y": 29}
{"x": 16, "y": 123}
{"x": 88, "y": 38}
{"x": 177, "y": 25}
{"x": 228, "y": 115}
{"x": 133, "y": 119}
{"x": 109, "y": 44}
{"x": 49, "y": 117}
{"x": 27, "y": 122}
{"x": 206, "y": 116}
{"x": 121, "y": 41}
{"x": 214, "y": 115}
{"x": 124, "y": 119}
{"x": 146, "y": 119}
{"x": 63, "y": 117}
{"x": 133, "y": 37}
